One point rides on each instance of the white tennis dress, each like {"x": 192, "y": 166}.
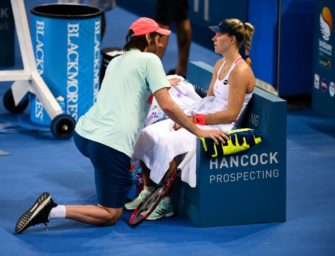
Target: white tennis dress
{"x": 158, "y": 144}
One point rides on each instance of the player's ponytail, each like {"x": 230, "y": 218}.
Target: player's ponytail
{"x": 246, "y": 30}
{"x": 248, "y": 33}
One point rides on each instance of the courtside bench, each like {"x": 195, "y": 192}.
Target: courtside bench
{"x": 249, "y": 187}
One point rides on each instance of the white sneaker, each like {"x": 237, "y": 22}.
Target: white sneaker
{"x": 137, "y": 201}
{"x": 163, "y": 209}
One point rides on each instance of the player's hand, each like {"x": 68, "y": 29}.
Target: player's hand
{"x": 217, "y": 136}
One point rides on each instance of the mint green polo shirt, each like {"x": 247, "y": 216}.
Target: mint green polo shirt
{"x": 118, "y": 115}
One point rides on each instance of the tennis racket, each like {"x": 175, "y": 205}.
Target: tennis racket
{"x": 148, "y": 205}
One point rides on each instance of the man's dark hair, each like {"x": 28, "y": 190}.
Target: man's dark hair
{"x": 137, "y": 42}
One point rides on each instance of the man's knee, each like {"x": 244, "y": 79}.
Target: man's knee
{"x": 112, "y": 216}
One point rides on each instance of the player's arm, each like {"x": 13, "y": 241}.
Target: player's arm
{"x": 176, "y": 114}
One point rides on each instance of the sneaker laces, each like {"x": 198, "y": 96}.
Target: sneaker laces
{"x": 142, "y": 196}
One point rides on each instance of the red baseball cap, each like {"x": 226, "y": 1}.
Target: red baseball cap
{"x": 145, "y": 25}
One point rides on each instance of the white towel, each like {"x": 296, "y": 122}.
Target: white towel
{"x": 183, "y": 94}
{"x": 158, "y": 144}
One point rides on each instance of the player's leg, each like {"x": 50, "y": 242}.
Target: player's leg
{"x": 164, "y": 207}
{"x": 148, "y": 187}
{"x": 164, "y": 15}
{"x": 44, "y": 209}
{"x": 113, "y": 183}
{"x": 184, "y": 37}
{"x": 93, "y": 214}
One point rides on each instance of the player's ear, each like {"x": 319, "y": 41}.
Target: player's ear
{"x": 148, "y": 38}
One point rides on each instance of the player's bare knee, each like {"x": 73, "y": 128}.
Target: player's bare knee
{"x": 110, "y": 221}
{"x": 113, "y": 216}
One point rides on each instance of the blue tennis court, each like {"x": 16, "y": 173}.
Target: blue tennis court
{"x": 33, "y": 161}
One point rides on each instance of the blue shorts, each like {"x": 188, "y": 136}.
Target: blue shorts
{"x": 113, "y": 179}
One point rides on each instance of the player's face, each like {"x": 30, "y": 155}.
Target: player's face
{"x": 154, "y": 44}
{"x": 222, "y": 42}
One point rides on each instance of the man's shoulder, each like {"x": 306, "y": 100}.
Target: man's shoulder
{"x": 144, "y": 56}
{"x": 150, "y": 56}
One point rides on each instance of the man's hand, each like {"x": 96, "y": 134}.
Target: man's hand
{"x": 177, "y": 126}
{"x": 174, "y": 81}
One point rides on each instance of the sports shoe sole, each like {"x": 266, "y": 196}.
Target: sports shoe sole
{"x": 29, "y": 215}
{"x": 131, "y": 208}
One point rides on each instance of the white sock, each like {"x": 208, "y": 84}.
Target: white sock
{"x": 148, "y": 188}
{"x": 58, "y": 212}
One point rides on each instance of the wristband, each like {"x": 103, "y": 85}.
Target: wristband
{"x": 199, "y": 119}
